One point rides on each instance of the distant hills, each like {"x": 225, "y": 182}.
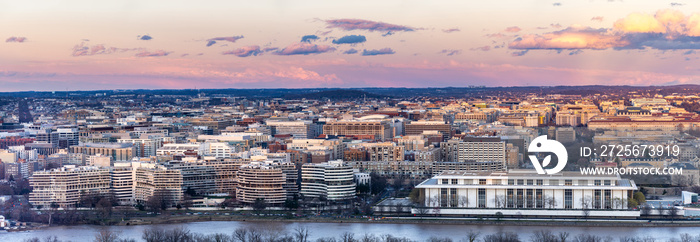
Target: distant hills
{"x": 337, "y": 94}
{"x": 373, "y": 92}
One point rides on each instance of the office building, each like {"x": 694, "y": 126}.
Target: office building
{"x": 526, "y": 193}
{"x": 332, "y": 180}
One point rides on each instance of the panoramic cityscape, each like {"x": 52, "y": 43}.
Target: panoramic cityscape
{"x": 390, "y": 121}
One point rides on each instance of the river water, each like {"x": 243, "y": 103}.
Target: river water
{"x": 418, "y": 232}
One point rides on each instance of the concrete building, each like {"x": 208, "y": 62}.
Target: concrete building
{"x": 301, "y": 129}
{"x": 332, "y": 180}
{"x": 476, "y": 149}
{"x": 64, "y": 186}
{"x": 378, "y": 130}
{"x": 143, "y": 147}
{"x": 118, "y": 152}
{"x": 386, "y": 151}
{"x": 526, "y": 193}
{"x": 258, "y": 180}
{"x": 418, "y": 127}
{"x": 565, "y": 135}
{"x": 136, "y": 182}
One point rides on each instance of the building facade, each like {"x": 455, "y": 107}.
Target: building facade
{"x": 526, "y": 193}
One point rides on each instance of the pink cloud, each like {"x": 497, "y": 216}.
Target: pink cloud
{"x": 16, "y": 39}
{"x": 665, "y": 30}
{"x": 597, "y": 18}
{"x": 231, "y": 39}
{"x": 361, "y": 24}
{"x": 513, "y": 29}
{"x": 156, "y": 53}
{"x": 244, "y": 51}
{"x": 482, "y": 48}
{"x": 450, "y": 30}
{"x": 304, "y": 49}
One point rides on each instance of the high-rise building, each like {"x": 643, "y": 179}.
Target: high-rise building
{"x": 378, "y": 130}
{"x": 565, "y": 135}
{"x": 418, "y": 127}
{"x": 64, "y": 186}
{"x": 301, "y": 129}
{"x": 261, "y": 181}
{"x": 386, "y": 151}
{"x": 332, "y": 180}
{"x": 118, "y": 151}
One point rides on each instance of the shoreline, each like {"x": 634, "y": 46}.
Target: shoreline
{"x": 412, "y": 220}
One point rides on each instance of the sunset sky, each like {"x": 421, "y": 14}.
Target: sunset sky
{"x": 89, "y": 45}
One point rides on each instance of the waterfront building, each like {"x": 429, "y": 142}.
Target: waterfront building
{"x": 259, "y": 180}
{"x": 332, "y": 180}
{"x": 526, "y": 193}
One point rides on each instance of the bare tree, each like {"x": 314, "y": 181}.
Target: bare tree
{"x": 586, "y": 206}
{"x": 543, "y": 236}
{"x": 347, "y": 237}
{"x": 500, "y": 201}
{"x": 463, "y": 202}
{"x": 107, "y": 236}
{"x": 301, "y": 234}
{"x": 241, "y": 234}
{"x": 472, "y": 236}
{"x": 645, "y": 210}
{"x": 550, "y": 202}
{"x": 153, "y": 235}
{"x": 563, "y": 236}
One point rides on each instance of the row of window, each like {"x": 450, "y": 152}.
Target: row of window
{"x": 528, "y": 198}
{"x": 531, "y": 182}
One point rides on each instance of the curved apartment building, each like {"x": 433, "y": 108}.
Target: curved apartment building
{"x": 332, "y": 179}
{"x": 258, "y": 180}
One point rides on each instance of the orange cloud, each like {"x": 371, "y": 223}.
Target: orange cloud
{"x": 666, "y": 30}
{"x": 570, "y": 38}
{"x": 513, "y": 29}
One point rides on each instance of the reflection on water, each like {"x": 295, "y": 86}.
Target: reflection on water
{"x": 417, "y": 232}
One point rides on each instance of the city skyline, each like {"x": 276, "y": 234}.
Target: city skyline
{"x": 83, "y": 45}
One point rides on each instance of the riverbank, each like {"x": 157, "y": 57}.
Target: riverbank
{"x": 416, "y": 220}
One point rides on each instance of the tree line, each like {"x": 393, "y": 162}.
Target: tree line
{"x": 302, "y": 234}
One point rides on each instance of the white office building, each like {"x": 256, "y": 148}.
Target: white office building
{"x": 331, "y": 179}
{"x": 525, "y": 193}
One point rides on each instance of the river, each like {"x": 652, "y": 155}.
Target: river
{"x": 418, "y": 232}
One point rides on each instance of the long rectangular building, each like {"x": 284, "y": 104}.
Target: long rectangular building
{"x": 525, "y": 193}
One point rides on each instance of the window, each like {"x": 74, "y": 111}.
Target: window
{"x": 443, "y": 197}
{"x": 568, "y": 199}
{"x": 608, "y": 201}
{"x": 606, "y": 182}
{"x": 454, "y": 181}
{"x": 482, "y": 197}
{"x": 445, "y": 181}
{"x": 530, "y": 199}
{"x": 496, "y": 182}
{"x": 510, "y": 200}
{"x": 540, "y": 200}
{"x": 529, "y": 182}
{"x": 520, "y": 200}
{"x": 554, "y": 182}
{"x": 596, "y": 199}
{"x": 583, "y": 182}
{"x": 511, "y": 182}
{"x": 453, "y": 197}
{"x": 540, "y": 182}
{"x": 568, "y": 183}
{"x": 521, "y": 182}
{"x": 596, "y": 182}
{"x": 482, "y": 181}
{"x": 468, "y": 181}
